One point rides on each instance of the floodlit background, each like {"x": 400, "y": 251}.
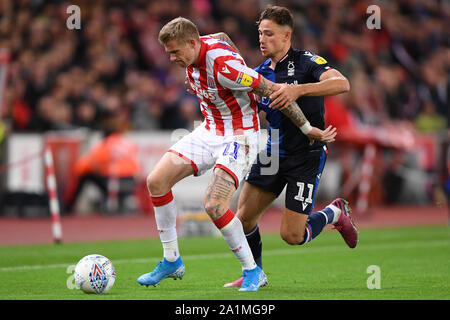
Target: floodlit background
{"x": 65, "y": 88}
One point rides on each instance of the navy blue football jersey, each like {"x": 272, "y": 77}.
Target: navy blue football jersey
{"x": 296, "y": 67}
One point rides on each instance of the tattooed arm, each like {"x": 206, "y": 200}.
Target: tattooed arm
{"x": 224, "y": 37}
{"x": 293, "y": 111}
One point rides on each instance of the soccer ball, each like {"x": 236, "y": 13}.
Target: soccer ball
{"x": 94, "y": 274}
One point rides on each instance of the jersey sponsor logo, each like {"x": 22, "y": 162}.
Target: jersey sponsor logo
{"x": 318, "y": 60}
{"x": 307, "y": 53}
{"x": 244, "y": 79}
{"x": 203, "y": 93}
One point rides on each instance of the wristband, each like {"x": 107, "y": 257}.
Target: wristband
{"x": 306, "y": 128}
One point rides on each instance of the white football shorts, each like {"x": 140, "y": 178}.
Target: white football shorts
{"x": 205, "y": 150}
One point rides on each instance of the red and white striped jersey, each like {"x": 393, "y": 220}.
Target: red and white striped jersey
{"x": 223, "y": 84}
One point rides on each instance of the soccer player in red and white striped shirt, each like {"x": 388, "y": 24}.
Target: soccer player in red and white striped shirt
{"x": 226, "y": 141}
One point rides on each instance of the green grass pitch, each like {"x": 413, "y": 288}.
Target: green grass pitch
{"x": 414, "y": 264}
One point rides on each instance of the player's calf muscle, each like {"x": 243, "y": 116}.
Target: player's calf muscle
{"x": 248, "y": 222}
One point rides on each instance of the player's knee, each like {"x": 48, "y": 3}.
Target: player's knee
{"x": 292, "y": 238}
{"x": 214, "y": 208}
{"x": 156, "y": 185}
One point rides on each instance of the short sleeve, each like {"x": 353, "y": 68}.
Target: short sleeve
{"x": 316, "y": 65}
{"x": 234, "y": 75}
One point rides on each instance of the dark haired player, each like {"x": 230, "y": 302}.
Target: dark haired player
{"x": 305, "y": 78}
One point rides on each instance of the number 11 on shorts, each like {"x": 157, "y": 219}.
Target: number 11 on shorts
{"x": 299, "y": 196}
{"x": 234, "y": 153}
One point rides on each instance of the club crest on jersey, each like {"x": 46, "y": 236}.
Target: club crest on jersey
{"x": 318, "y": 59}
{"x": 211, "y": 82}
{"x": 265, "y": 101}
{"x": 244, "y": 79}
{"x": 290, "y": 69}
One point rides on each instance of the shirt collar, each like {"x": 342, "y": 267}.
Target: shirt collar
{"x": 289, "y": 53}
{"x": 202, "y": 55}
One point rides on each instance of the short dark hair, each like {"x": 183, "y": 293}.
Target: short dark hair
{"x": 280, "y": 15}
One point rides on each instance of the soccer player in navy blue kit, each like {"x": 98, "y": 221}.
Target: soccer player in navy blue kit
{"x": 306, "y": 79}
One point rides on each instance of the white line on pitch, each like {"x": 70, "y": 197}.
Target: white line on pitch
{"x": 273, "y": 252}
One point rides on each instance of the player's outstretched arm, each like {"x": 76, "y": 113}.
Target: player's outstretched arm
{"x": 236, "y": 76}
{"x": 293, "y": 111}
{"x": 331, "y": 83}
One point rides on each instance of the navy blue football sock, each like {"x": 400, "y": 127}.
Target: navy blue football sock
{"x": 255, "y": 243}
{"x": 316, "y": 222}
{"x": 328, "y": 212}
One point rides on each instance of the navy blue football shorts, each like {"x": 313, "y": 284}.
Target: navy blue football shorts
{"x": 301, "y": 174}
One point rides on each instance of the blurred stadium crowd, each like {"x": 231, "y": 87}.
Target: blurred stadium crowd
{"x": 63, "y": 79}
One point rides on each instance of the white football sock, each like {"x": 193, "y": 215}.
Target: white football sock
{"x": 233, "y": 234}
{"x": 166, "y": 218}
{"x": 171, "y": 252}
